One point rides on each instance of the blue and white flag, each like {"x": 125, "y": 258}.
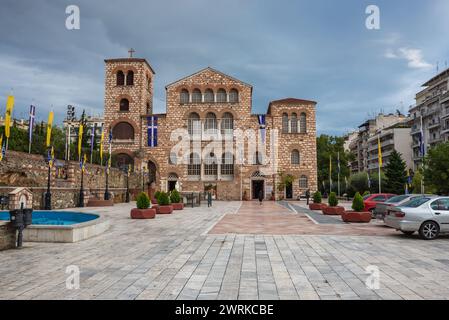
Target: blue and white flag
{"x": 152, "y": 131}
{"x": 92, "y": 139}
{"x": 262, "y": 125}
{"x": 31, "y": 123}
{"x": 422, "y": 151}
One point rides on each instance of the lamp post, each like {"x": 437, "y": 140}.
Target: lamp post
{"x": 126, "y": 170}
{"x": 81, "y": 198}
{"x": 47, "y": 204}
{"x": 106, "y": 192}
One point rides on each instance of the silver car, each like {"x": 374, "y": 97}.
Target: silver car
{"x": 427, "y": 215}
{"x": 382, "y": 207}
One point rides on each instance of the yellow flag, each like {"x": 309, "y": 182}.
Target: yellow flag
{"x": 49, "y": 126}
{"x": 9, "y": 108}
{"x": 101, "y": 147}
{"x": 1, "y": 147}
{"x": 379, "y": 152}
{"x": 80, "y": 139}
{"x": 52, "y": 157}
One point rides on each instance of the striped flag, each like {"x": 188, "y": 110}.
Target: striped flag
{"x": 262, "y": 126}
{"x": 31, "y": 123}
{"x": 422, "y": 150}
{"x": 152, "y": 131}
{"x": 101, "y": 146}
{"x": 92, "y": 140}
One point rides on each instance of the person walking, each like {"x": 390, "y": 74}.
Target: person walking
{"x": 209, "y": 199}
{"x": 260, "y": 197}
{"x": 308, "y": 195}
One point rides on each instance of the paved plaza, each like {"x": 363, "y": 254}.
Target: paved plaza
{"x": 232, "y": 251}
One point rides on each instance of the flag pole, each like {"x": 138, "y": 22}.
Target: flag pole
{"x": 338, "y": 154}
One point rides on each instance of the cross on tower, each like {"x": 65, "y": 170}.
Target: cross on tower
{"x": 131, "y": 51}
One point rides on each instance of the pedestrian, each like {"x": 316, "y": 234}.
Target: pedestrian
{"x": 209, "y": 199}
{"x": 308, "y": 195}
{"x": 260, "y": 196}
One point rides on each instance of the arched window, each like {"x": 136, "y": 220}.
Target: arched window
{"x": 284, "y": 123}
{"x": 123, "y": 131}
{"x": 221, "y": 95}
{"x": 210, "y": 165}
{"x": 184, "y": 97}
{"x": 194, "y": 124}
{"x": 124, "y": 105}
{"x": 194, "y": 166}
{"x": 123, "y": 160}
{"x": 173, "y": 158}
{"x": 209, "y": 96}
{"x": 233, "y": 96}
{"x": 294, "y": 123}
{"x": 303, "y": 123}
{"x": 197, "y": 97}
{"x": 295, "y": 157}
{"x": 258, "y": 158}
{"x": 303, "y": 182}
{"x": 211, "y": 123}
{"x": 130, "y": 78}
{"x": 120, "y": 78}
{"x": 227, "y": 164}
{"x": 227, "y": 124}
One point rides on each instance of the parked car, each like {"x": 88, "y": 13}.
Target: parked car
{"x": 427, "y": 215}
{"x": 371, "y": 200}
{"x": 382, "y": 207}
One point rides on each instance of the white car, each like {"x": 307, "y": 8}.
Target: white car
{"x": 427, "y": 215}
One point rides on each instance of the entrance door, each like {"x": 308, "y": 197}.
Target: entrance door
{"x": 257, "y": 186}
{"x": 171, "y": 185}
{"x": 289, "y": 191}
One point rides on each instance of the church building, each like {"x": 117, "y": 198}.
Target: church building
{"x": 225, "y": 148}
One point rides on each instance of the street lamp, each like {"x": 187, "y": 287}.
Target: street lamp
{"x": 81, "y": 197}
{"x": 47, "y": 201}
{"x": 127, "y": 169}
{"x": 106, "y": 192}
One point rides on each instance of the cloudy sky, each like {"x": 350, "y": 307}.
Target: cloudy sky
{"x": 312, "y": 49}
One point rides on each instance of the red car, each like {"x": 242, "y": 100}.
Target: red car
{"x": 371, "y": 200}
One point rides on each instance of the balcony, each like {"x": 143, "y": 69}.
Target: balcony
{"x": 434, "y": 125}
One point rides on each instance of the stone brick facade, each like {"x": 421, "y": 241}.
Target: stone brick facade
{"x": 205, "y": 95}
{"x": 7, "y": 235}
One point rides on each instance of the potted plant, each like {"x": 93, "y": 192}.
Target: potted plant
{"x": 176, "y": 200}
{"x": 143, "y": 210}
{"x": 164, "y": 203}
{"x": 333, "y": 208}
{"x": 154, "y": 201}
{"x": 317, "y": 205}
{"x": 357, "y": 215}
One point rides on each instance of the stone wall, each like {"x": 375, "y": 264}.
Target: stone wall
{"x": 20, "y": 169}
{"x": 7, "y": 236}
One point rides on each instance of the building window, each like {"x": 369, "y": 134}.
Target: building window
{"x": 120, "y": 78}
{"x": 227, "y": 124}
{"x": 209, "y": 96}
{"x": 211, "y": 123}
{"x": 124, "y": 105}
{"x": 123, "y": 131}
{"x": 130, "y": 78}
{"x": 258, "y": 158}
{"x": 233, "y": 96}
{"x": 197, "y": 96}
{"x": 294, "y": 123}
{"x": 194, "y": 166}
{"x": 284, "y": 123}
{"x": 123, "y": 160}
{"x": 194, "y": 124}
{"x": 210, "y": 165}
{"x": 303, "y": 183}
{"x": 172, "y": 158}
{"x": 184, "y": 97}
{"x": 295, "y": 157}
{"x": 221, "y": 96}
{"x": 303, "y": 123}
{"x": 227, "y": 164}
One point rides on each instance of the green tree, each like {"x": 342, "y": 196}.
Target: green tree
{"x": 436, "y": 172}
{"x": 396, "y": 174}
{"x": 374, "y": 177}
{"x": 358, "y": 182}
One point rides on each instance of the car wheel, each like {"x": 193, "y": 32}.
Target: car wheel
{"x": 429, "y": 230}
{"x": 408, "y": 233}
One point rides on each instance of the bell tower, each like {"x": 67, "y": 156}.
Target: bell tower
{"x": 128, "y": 98}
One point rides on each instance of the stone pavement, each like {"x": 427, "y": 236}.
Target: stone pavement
{"x": 176, "y": 257}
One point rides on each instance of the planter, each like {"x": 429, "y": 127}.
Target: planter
{"x": 354, "y": 216}
{"x": 165, "y": 209}
{"x": 178, "y": 206}
{"x": 317, "y": 206}
{"x": 155, "y": 207}
{"x": 143, "y": 213}
{"x": 333, "y": 211}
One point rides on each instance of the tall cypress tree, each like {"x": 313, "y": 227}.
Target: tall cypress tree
{"x": 395, "y": 173}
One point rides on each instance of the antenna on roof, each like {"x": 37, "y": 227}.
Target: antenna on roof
{"x": 438, "y": 66}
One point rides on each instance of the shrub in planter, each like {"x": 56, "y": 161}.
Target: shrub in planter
{"x": 176, "y": 200}
{"x": 143, "y": 210}
{"x": 317, "y": 205}
{"x": 164, "y": 203}
{"x": 358, "y": 215}
{"x": 333, "y": 209}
